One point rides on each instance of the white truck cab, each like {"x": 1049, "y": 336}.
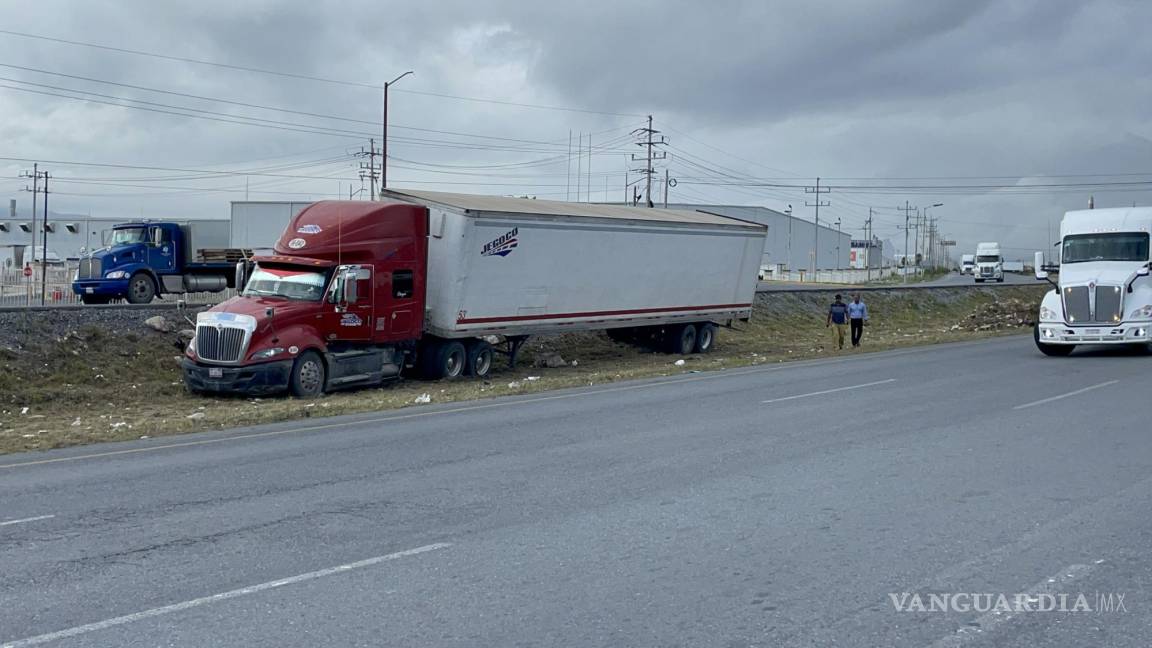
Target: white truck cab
{"x": 967, "y": 264}
{"x": 989, "y": 263}
{"x": 1102, "y": 293}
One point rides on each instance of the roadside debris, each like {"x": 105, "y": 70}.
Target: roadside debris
{"x": 159, "y": 323}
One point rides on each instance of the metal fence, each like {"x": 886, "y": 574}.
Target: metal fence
{"x": 18, "y": 290}
{"x": 850, "y": 276}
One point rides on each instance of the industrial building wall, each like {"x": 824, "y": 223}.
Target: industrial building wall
{"x": 68, "y": 237}
{"x": 257, "y": 225}
{"x": 791, "y": 240}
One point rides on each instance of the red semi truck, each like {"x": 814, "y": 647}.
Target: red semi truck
{"x": 358, "y": 292}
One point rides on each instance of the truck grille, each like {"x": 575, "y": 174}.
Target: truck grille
{"x": 220, "y": 343}
{"x": 1076, "y": 304}
{"x": 1108, "y": 302}
{"x": 89, "y": 269}
{"x": 987, "y": 272}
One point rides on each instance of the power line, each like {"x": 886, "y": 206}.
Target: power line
{"x": 306, "y": 77}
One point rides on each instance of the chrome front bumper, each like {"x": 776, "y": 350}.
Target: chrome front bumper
{"x": 1122, "y": 333}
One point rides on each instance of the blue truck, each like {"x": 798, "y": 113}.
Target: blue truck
{"x": 144, "y": 259}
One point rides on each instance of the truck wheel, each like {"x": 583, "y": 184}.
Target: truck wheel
{"x": 95, "y": 299}
{"x": 622, "y": 335}
{"x": 979, "y": 281}
{"x": 479, "y": 359}
{"x": 452, "y": 359}
{"x": 1058, "y": 350}
{"x": 307, "y": 380}
{"x": 141, "y": 290}
{"x": 680, "y": 339}
{"x": 705, "y": 337}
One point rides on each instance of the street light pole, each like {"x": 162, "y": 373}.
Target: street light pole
{"x": 837, "y": 244}
{"x": 789, "y": 212}
{"x": 384, "y": 135}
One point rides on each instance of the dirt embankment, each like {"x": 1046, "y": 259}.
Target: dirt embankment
{"x": 71, "y": 377}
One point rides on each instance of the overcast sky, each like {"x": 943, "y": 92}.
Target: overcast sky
{"x": 756, "y": 99}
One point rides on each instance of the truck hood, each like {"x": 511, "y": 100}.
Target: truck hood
{"x": 119, "y": 255}
{"x": 288, "y": 314}
{"x": 1108, "y": 273}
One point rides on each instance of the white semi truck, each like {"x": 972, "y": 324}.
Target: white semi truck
{"x": 989, "y": 263}
{"x": 967, "y": 264}
{"x": 1102, "y": 293}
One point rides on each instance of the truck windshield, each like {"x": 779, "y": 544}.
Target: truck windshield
{"x": 128, "y": 235}
{"x": 987, "y": 258}
{"x": 1131, "y": 246}
{"x": 300, "y": 285}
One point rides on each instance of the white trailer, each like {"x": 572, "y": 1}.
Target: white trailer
{"x": 516, "y": 267}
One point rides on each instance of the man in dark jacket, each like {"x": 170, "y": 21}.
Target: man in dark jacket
{"x": 838, "y": 317}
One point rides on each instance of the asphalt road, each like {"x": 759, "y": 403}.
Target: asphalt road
{"x": 950, "y": 280}
{"x": 770, "y": 506}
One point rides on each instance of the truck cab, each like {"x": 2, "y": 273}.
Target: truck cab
{"x": 1101, "y": 290}
{"x": 967, "y": 264}
{"x": 144, "y": 259}
{"x": 340, "y": 303}
{"x": 989, "y": 263}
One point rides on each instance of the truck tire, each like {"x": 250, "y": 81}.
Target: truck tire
{"x": 141, "y": 289}
{"x": 95, "y": 299}
{"x": 979, "y": 281}
{"x": 1056, "y": 350}
{"x": 705, "y": 337}
{"x": 307, "y": 379}
{"x": 621, "y": 335}
{"x": 479, "y": 358}
{"x": 452, "y": 359}
{"x": 680, "y": 339}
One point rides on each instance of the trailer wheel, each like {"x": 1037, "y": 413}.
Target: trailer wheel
{"x": 705, "y": 337}
{"x": 479, "y": 358}
{"x": 307, "y": 380}
{"x": 680, "y": 339}
{"x": 452, "y": 360}
{"x": 141, "y": 289}
{"x": 622, "y": 335}
{"x": 95, "y": 299}
{"x": 1057, "y": 350}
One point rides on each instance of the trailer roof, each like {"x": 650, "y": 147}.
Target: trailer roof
{"x": 507, "y": 205}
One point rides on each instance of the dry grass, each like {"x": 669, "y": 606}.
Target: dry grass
{"x": 95, "y": 385}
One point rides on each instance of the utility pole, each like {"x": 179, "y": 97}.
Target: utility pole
{"x": 369, "y": 169}
{"x": 667, "y": 180}
{"x": 650, "y": 157}
{"x": 589, "y": 183}
{"x": 817, "y": 190}
{"x": 907, "y": 209}
{"x": 789, "y": 212}
{"x": 35, "y": 175}
{"x": 568, "y": 188}
{"x": 384, "y": 134}
{"x": 837, "y": 243}
{"x": 44, "y": 247}
{"x": 868, "y": 249}
{"x": 579, "y": 163}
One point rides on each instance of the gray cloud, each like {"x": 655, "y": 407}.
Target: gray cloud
{"x": 874, "y": 90}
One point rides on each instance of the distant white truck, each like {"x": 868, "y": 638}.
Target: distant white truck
{"x": 989, "y": 263}
{"x": 1102, "y": 293}
{"x": 967, "y": 263}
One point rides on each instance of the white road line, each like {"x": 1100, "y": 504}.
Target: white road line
{"x": 830, "y": 391}
{"x": 215, "y": 598}
{"x": 990, "y": 621}
{"x": 31, "y": 519}
{"x": 1071, "y": 393}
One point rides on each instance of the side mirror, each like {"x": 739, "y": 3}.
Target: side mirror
{"x": 241, "y": 275}
{"x": 157, "y": 236}
{"x": 1143, "y": 271}
{"x": 349, "y": 278}
{"x": 1038, "y": 260}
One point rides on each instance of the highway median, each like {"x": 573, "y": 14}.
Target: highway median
{"x": 98, "y": 375}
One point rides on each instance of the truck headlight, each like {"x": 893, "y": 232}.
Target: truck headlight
{"x": 267, "y": 353}
{"x": 1144, "y": 312}
{"x": 1048, "y": 315}
{"x": 190, "y": 351}
{"x": 116, "y": 274}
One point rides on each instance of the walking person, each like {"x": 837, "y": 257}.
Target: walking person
{"x": 858, "y": 316}
{"x": 838, "y": 318}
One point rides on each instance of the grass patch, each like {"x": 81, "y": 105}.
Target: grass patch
{"x": 94, "y": 384}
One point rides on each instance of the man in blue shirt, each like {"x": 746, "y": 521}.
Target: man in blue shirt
{"x": 857, "y": 315}
{"x": 838, "y": 317}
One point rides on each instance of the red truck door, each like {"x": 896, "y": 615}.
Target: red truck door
{"x": 353, "y": 321}
{"x": 403, "y": 304}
